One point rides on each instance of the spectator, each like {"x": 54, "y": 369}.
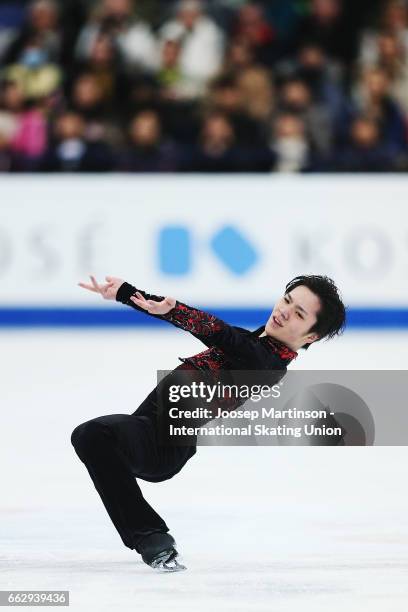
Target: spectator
{"x": 391, "y": 55}
{"x": 327, "y": 27}
{"x": 133, "y": 37}
{"x": 88, "y": 100}
{"x": 202, "y": 45}
{"x": 253, "y": 81}
{"x": 28, "y": 127}
{"x": 296, "y": 98}
{"x": 218, "y": 151}
{"x": 257, "y": 93}
{"x": 30, "y": 139}
{"x": 312, "y": 66}
{"x": 37, "y": 77}
{"x": 394, "y": 61}
{"x": 290, "y": 144}
{"x": 321, "y": 75}
{"x": 104, "y": 62}
{"x": 253, "y": 28}
{"x": 316, "y": 69}
{"x": 227, "y": 97}
{"x": 373, "y": 98}
{"x": 71, "y": 152}
{"x": 43, "y": 30}
{"x": 364, "y": 151}
{"x": 170, "y": 77}
{"x": 148, "y": 151}
{"x": 239, "y": 56}
{"x": 395, "y": 18}
{"x": 394, "y": 21}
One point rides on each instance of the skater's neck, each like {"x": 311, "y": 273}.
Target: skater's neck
{"x": 278, "y": 341}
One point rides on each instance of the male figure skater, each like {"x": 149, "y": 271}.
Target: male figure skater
{"x": 117, "y": 448}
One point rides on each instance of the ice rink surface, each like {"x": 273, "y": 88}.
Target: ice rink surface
{"x": 260, "y": 528}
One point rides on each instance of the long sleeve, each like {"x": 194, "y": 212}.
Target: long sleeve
{"x": 210, "y": 330}
{"x": 127, "y": 290}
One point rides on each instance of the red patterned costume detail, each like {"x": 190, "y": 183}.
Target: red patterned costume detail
{"x": 193, "y": 320}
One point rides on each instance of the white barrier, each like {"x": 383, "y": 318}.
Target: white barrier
{"x": 224, "y": 241}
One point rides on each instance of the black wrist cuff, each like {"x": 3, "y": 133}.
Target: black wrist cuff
{"x": 124, "y": 293}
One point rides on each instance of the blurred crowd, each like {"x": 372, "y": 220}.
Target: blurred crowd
{"x": 194, "y": 86}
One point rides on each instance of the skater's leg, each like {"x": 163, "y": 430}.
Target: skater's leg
{"x": 112, "y": 461}
{"x": 116, "y": 449}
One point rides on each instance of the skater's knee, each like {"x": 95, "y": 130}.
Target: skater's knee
{"x": 87, "y": 433}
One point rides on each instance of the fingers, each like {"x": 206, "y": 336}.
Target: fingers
{"x": 139, "y": 302}
{"x": 95, "y": 284}
{"x": 137, "y": 299}
{"x": 140, "y": 296}
{"x": 85, "y": 286}
{"x": 95, "y": 287}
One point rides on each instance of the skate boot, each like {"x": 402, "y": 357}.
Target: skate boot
{"x": 157, "y": 550}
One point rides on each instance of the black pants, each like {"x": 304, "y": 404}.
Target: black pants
{"x": 118, "y": 448}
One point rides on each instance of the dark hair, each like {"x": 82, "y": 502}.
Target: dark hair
{"x": 331, "y": 318}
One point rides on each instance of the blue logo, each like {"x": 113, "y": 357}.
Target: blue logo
{"x": 175, "y": 251}
{"x": 228, "y": 244}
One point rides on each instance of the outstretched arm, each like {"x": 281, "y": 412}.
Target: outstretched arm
{"x": 204, "y": 326}
{"x": 211, "y": 330}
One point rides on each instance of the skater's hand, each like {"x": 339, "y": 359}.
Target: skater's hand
{"x": 152, "y": 307}
{"x": 108, "y": 291}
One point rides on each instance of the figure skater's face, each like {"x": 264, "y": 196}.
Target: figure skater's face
{"x": 293, "y": 316}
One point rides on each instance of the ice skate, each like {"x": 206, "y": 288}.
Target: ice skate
{"x": 157, "y": 550}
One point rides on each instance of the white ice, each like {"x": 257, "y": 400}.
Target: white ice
{"x": 260, "y": 528}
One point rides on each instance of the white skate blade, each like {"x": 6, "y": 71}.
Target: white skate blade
{"x": 167, "y": 562}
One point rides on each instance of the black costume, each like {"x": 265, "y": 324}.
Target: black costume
{"x": 117, "y": 448}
